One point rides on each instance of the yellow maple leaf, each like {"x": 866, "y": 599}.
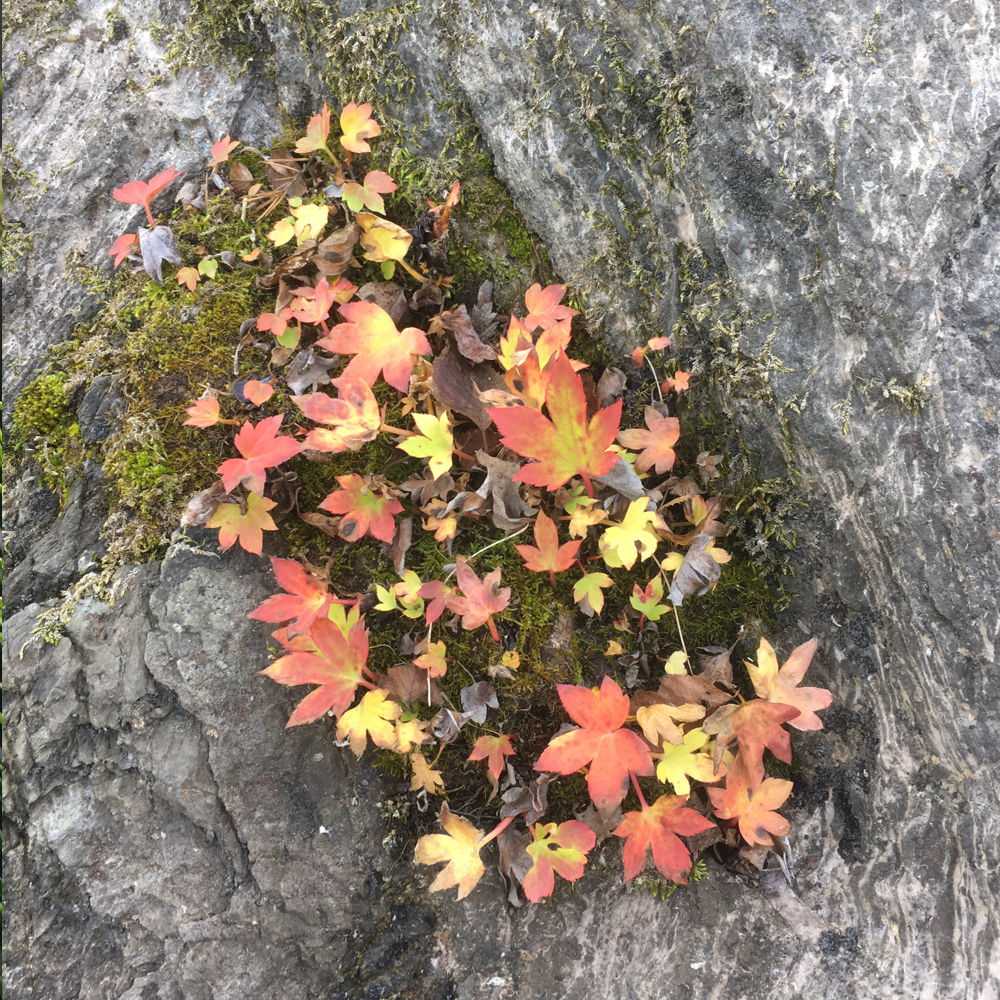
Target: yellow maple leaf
{"x": 357, "y": 124}
{"x": 659, "y": 722}
{"x": 585, "y": 513}
{"x": 678, "y": 763}
{"x": 425, "y": 778}
{"x": 782, "y": 686}
{"x": 410, "y": 734}
{"x": 284, "y": 230}
{"x": 372, "y": 716}
{"x": 622, "y": 544}
{"x": 310, "y": 221}
{"x": 383, "y": 240}
{"x": 459, "y": 846}
{"x": 434, "y": 441}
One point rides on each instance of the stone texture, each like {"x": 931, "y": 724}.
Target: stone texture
{"x": 164, "y": 837}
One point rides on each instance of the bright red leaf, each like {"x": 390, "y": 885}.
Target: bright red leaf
{"x": 378, "y": 346}
{"x": 261, "y": 448}
{"x": 567, "y": 444}
{"x": 601, "y": 742}
{"x": 493, "y": 749}
{"x": 483, "y": 598}
{"x": 336, "y": 666}
{"x": 558, "y": 848}
{"x": 754, "y": 726}
{"x": 246, "y": 528}
{"x": 657, "y": 827}
{"x": 364, "y": 509}
{"x": 756, "y": 816}
{"x": 143, "y": 192}
{"x": 437, "y": 594}
{"x": 305, "y": 600}
{"x": 122, "y": 247}
{"x": 549, "y": 556}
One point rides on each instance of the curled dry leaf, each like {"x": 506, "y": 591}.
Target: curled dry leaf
{"x": 466, "y": 338}
{"x": 610, "y": 386}
{"x": 698, "y": 573}
{"x": 201, "y": 506}
{"x": 477, "y": 698}
{"x": 158, "y": 245}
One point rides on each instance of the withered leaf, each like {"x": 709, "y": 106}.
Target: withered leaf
{"x": 191, "y": 195}
{"x": 408, "y": 684}
{"x": 603, "y": 828}
{"x": 698, "y": 573}
{"x": 484, "y": 319}
{"x": 335, "y": 253}
{"x": 328, "y": 525}
{"x": 610, "y": 386}
{"x": 623, "y": 479}
{"x": 201, "y": 506}
{"x": 477, "y": 698}
{"x": 509, "y": 509}
{"x": 446, "y": 724}
{"x": 456, "y": 381}
{"x": 240, "y": 177}
{"x": 532, "y": 800}
{"x": 400, "y": 544}
{"x": 308, "y": 371}
{"x": 388, "y": 295}
{"x": 427, "y": 298}
{"x": 514, "y": 862}
{"x": 713, "y": 665}
{"x": 683, "y": 689}
{"x": 158, "y": 245}
{"x": 296, "y": 263}
{"x": 466, "y": 338}
{"x": 283, "y": 174}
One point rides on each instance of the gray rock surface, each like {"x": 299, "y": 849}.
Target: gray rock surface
{"x": 163, "y": 836}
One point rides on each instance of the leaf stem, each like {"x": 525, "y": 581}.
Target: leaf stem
{"x": 680, "y": 632}
{"x": 638, "y": 791}
{"x": 496, "y": 831}
{"x": 397, "y": 430}
{"x": 659, "y": 388}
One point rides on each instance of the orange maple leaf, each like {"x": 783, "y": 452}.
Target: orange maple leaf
{"x": 558, "y": 848}
{"x": 305, "y": 600}
{"x": 754, "y": 726}
{"x": 543, "y": 306}
{"x": 482, "y": 600}
{"x": 656, "y": 444}
{"x": 756, "y": 816}
{"x": 549, "y": 556}
{"x": 354, "y": 418}
{"x": 261, "y": 448}
{"x": 656, "y": 827}
{"x": 434, "y": 661}
{"x": 203, "y": 413}
{"x": 122, "y": 246}
{"x": 459, "y": 845}
{"x": 357, "y": 124}
{"x": 143, "y": 192}
{"x": 336, "y": 665}
{"x": 258, "y": 392}
{"x": 378, "y": 346}
{"x": 601, "y": 742}
{"x": 317, "y": 132}
{"x": 493, "y": 749}
{"x": 782, "y": 686}
{"x": 364, "y": 510}
{"x": 222, "y": 149}
{"x": 567, "y": 444}
{"x": 247, "y": 528}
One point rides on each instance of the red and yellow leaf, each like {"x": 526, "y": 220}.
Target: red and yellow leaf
{"x": 782, "y": 686}
{"x": 258, "y": 392}
{"x": 369, "y": 194}
{"x": 305, "y": 600}
{"x": 493, "y": 749}
{"x": 222, "y": 149}
{"x": 203, "y": 413}
{"x": 756, "y": 816}
{"x": 482, "y": 598}
{"x": 354, "y": 418}
{"x": 656, "y": 827}
{"x": 357, "y": 124}
{"x": 246, "y": 528}
{"x": 122, "y": 247}
{"x": 261, "y": 448}
{"x": 372, "y": 716}
{"x": 459, "y": 845}
{"x": 543, "y": 306}
{"x": 558, "y": 848}
{"x": 364, "y": 510}
{"x": 317, "y": 132}
{"x": 547, "y": 555}
{"x": 754, "y": 726}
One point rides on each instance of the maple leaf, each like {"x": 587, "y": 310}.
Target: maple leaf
{"x": 588, "y": 592}
{"x": 411, "y": 733}
{"x": 408, "y": 592}
{"x": 493, "y": 749}
{"x": 276, "y": 323}
{"x": 483, "y": 598}
{"x": 548, "y": 556}
{"x": 459, "y": 846}
{"x": 426, "y": 779}
{"x": 310, "y": 221}
{"x": 659, "y": 722}
{"x": 372, "y": 716}
{"x": 247, "y": 528}
{"x": 357, "y": 124}
{"x": 378, "y": 346}
{"x": 258, "y": 392}
{"x": 369, "y": 195}
{"x": 305, "y": 598}
{"x": 312, "y": 305}
{"x": 782, "y": 686}
{"x": 336, "y": 665}
{"x": 364, "y": 510}
{"x": 438, "y": 594}
{"x": 188, "y": 276}
{"x": 383, "y": 240}
{"x": 675, "y": 764}
{"x": 122, "y": 246}
{"x": 655, "y": 446}
{"x": 143, "y": 192}
{"x": 679, "y": 382}
{"x": 647, "y": 601}
{"x": 434, "y": 661}
{"x": 656, "y": 827}
{"x": 558, "y": 848}
{"x": 435, "y": 441}
{"x": 261, "y": 448}
{"x": 622, "y": 544}
{"x": 354, "y": 417}
{"x": 756, "y": 816}
{"x": 222, "y": 149}
{"x": 203, "y": 413}
{"x": 543, "y": 306}
{"x": 601, "y": 742}
{"x": 567, "y": 444}
{"x": 585, "y": 513}
{"x": 754, "y": 726}
{"x": 317, "y": 132}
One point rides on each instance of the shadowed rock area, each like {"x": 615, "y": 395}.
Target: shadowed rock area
{"x": 164, "y": 836}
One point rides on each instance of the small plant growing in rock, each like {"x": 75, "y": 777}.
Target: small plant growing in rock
{"x": 509, "y": 431}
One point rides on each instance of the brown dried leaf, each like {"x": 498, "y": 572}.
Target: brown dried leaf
{"x": 240, "y": 177}
{"x": 466, "y": 338}
{"x": 476, "y": 699}
{"x": 308, "y": 371}
{"x": 335, "y": 253}
{"x": 388, "y": 295}
{"x": 698, "y": 573}
{"x": 401, "y": 542}
{"x": 515, "y": 862}
{"x": 408, "y": 684}
{"x": 712, "y": 664}
{"x": 532, "y": 801}
{"x": 201, "y": 506}
{"x": 603, "y": 828}
{"x": 326, "y": 524}
{"x": 456, "y": 384}
{"x": 509, "y": 509}
{"x": 681, "y": 689}
{"x": 610, "y": 386}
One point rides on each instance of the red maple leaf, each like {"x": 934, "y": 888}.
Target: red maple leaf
{"x": 656, "y": 444}
{"x": 549, "y": 556}
{"x": 601, "y": 742}
{"x": 483, "y": 598}
{"x": 754, "y": 726}
{"x": 122, "y": 247}
{"x": 565, "y": 445}
{"x": 438, "y": 594}
{"x": 657, "y": 827}
{"x": 558, "y": 848}
{"x": 756, "y": 816}
{"x": 493, "y": 749}
{"x": 305, "y": 601}
{"x": 336, "y": 666}
{"x": 364, "y": 510}
{"x": 543, "y": 306}
{"x": 371, "y": 336}
{"x": 222, "y": 149}
{"x": 261, "y": 447}
{"x": 143, "y": 192}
